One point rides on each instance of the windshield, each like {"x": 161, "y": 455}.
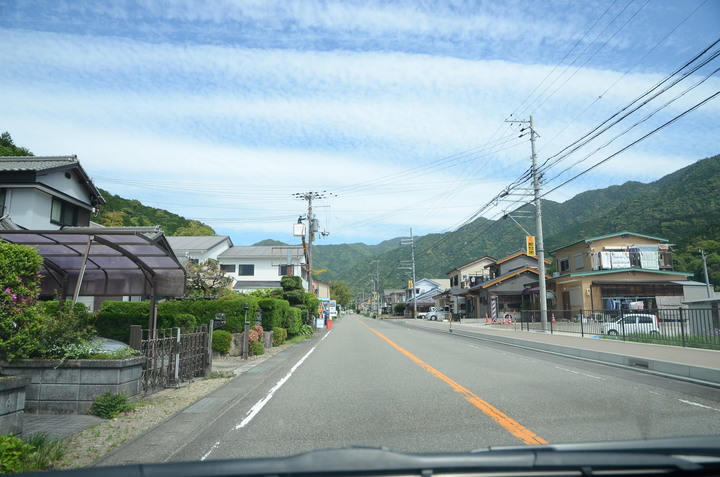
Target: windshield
{"x": 256, "y": 229}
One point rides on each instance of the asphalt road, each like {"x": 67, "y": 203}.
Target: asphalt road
{"x": 379, "y": 383}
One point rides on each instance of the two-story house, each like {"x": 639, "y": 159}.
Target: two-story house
{"x": 502, "y": 291}
{"x": 258, "y": 267}
{"x": 46, "y": 193}
{"x": 461, "y": 279}
{"x": 621, "y": 270}
{"x": 425, "y": 291}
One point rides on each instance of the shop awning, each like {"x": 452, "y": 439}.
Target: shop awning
{"x": 106, "y": 261}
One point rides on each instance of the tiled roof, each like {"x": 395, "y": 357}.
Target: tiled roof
{"x": 199, "y": 243}
{"x": 51, "y": 163}
{"x": 36, "y": 163}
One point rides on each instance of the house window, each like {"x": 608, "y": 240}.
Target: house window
{"x": 285, "y": 270}
{"x": 227, "y": 268}
{"x": 2, "y": 202}
{"x": 63, "y": 213}
{"x": 246, "y": 270}
{"x": 579, "y": 261}
{"x": 564, "y": 264}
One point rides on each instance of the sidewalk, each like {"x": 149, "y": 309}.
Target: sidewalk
{"x": 696, "y": 365}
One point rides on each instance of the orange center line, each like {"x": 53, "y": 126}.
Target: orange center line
{"x": 509, "y": 424}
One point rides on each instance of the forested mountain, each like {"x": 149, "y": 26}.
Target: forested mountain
{"x": 119, "y": 212}
{"x": 683, "y": 207}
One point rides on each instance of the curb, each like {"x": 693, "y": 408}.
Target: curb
{"x": 680, "y": 371}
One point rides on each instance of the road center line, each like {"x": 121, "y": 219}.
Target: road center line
{"x": 510, "y": 425}
{"x": 698, "y": 405}
{"x": 261, "y": 403}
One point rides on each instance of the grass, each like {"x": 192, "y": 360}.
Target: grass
{"x": 38, "y": 452}
{"x": 296, "y": 339}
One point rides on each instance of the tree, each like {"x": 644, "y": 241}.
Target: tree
{"x": 194, "y": 229}
{"x": 340, "y": 292}
{"x": 206, "y": 279}
{"x": 8, "y": 147}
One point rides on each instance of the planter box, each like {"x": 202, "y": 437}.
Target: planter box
{"x": 12, "y": 403}
{"x": 69, "y": 387}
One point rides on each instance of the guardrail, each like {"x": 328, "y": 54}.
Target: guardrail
{"x": 693, "y": 328}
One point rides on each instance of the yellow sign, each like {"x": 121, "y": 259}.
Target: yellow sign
{"x": 409, "y": 284}
{"x": 530, "y": 245}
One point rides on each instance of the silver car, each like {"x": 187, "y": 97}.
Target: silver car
{"x": 633, "y": 323}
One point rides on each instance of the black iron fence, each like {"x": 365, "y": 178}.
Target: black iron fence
{"x": 694, "y": 328}
{"x": 171, "y": 356}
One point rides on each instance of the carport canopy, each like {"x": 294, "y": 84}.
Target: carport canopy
{"x": 104, "y": 261}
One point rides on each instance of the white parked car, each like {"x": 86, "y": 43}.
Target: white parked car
{"x": 633, "y": 323}
{"x": 438, "y": 313}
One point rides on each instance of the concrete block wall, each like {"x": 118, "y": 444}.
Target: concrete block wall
{"x": 69, "y": 387}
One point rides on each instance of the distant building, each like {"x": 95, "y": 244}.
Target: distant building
{"x": 258, "y": 267}
{"x": 199, "y": 249}
{"x": 501, "y": 290}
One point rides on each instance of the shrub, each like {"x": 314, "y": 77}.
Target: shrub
{"x": 221, "y": 340}
{"x": 12, "y": 452}
{"x": 256, "y": 348}
{"x": 273, "y": 312}
{"x": 109, "y": 405}
{"x": 306, "y": 330}
{"x": 279, "y": 336}
{"x": 185, "y": 321}
{"x": 292, "y": 321}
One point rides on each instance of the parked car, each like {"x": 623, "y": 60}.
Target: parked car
{"x": 633, "y": 323}
{"x": 438, "y": 313}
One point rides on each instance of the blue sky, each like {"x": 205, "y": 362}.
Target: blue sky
{"x": 220, "y": 111}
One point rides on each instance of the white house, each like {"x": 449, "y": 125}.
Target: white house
{"x": 199, "y": 249}
{"x": 258, "y": 267}
{"x": 46, "y": 193}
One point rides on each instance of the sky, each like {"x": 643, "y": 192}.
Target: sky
{"x": 395, "y": 115}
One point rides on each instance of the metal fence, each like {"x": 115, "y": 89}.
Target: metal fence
{"x": 694, "y": 328}
{"x": 171, "y": 356}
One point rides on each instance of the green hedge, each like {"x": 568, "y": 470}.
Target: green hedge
{"x": 273, "y": 312}
{"x": 279, "y": 336}
{"x": 292, "y": 321}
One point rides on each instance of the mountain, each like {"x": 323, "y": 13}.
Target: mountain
{"x": 683, "y": 207}
{"x": 121, "y": 212}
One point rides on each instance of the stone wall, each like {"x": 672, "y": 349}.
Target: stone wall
{"x": 69, "y": 387}
{"x": 12, "y": 403}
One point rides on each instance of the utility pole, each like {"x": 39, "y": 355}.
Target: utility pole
{"x": 311, "y": 229}
{"x": 707, "y": 278}
{"x": 411, "y": 242}
{"x": 539, "y": 231}
{"x": 540, "y": 246}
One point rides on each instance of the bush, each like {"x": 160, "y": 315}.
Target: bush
{"x": 292, "y": 321}
{"x": 185, "y": 321}
{"x": 221, "y": 340}
{"x": 12, "y": 452}
{"x": 257, "y": 348}
{"x": 306, "y": 330}
{"x": 109, "y": 405}
{"x": 273, "y": 312}
{"x": 39, "y": 453}
{"x": 279, "y": 336}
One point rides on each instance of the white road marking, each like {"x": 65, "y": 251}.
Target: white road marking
{"x": 261, "y": 403}
{"x": 698, "y": 405}
{"x": 581, "y": 374}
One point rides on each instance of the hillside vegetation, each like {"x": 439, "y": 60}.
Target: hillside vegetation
{"x": 683, "y": 207}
